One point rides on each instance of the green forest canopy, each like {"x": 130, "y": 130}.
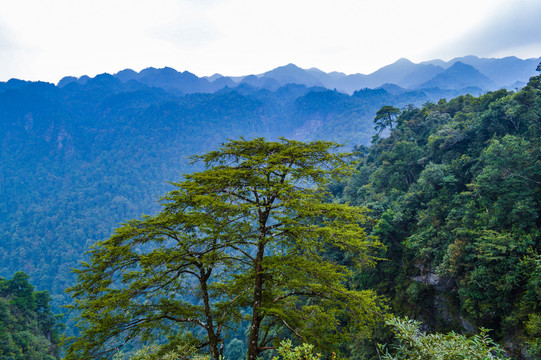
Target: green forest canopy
{"x": 456, "y": 188}
{"x": 244, "y": 242}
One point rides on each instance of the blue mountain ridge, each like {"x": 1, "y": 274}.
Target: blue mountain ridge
{"x": 471, "y": 71}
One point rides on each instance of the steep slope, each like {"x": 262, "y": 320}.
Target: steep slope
{"x": 456, "y": 188}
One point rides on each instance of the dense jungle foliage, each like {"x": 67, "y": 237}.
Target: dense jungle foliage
{"x": 28, "y": 328}
{"x": 456, "y": 188}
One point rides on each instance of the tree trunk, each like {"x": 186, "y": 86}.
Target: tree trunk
{"x": 253, "y": 344}
{"x": 213, "y": 339}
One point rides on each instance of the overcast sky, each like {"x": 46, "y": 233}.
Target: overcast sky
{"x": 48, "y": 39}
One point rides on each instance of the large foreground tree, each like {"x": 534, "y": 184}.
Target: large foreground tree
{"x": 245, "y": 239}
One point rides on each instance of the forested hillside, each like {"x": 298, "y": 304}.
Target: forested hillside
{"x": 77, "y": 160}
{"x": 456, "y": 188}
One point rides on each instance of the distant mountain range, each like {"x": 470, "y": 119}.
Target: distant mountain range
{"x": 81, "y": 156}
{"x": 460, "y": 73}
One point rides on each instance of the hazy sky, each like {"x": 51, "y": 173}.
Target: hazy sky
{"x": 48, "y": 39}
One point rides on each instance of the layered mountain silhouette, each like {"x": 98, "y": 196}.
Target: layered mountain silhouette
{"x": 88, "y": 153}
{"x": 469, "y": 72}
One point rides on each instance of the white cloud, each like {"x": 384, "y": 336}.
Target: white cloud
{"x": 515, "y": 29}
{"x": 54, "y": 38}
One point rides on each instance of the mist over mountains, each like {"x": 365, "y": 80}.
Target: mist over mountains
{"x": 456, "y": 74}
{"x": 80, "y": 157}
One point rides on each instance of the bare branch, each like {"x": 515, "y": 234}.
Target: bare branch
{"x": 293, "y": 331}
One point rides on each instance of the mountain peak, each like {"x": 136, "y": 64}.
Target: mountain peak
{"x": 126, "y": 75}
{"x": 468, "y": 59}
{"x": 288, "y": 67}
{"x": 459, "y": 76}
{"x": 291, "y": 66}
{"x": 402, "y": 61}
{"x": 459, "y": 66}
{"x": 291, "y": 73}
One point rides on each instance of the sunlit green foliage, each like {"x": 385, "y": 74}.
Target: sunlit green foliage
{"x": 156, "y": 352}
{"x": 302, "y": 352}
{"x": 416, "y": 345}
{"x": 243, "y": 240}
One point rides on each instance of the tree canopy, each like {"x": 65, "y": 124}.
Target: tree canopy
{"x": 386, "y": 117}
{"x": 243, "y": 241}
